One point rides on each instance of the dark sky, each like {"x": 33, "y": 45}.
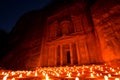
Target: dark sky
{"x": 11, "y": 10}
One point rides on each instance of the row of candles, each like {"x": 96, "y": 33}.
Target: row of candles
{"x": 90, "y": 72}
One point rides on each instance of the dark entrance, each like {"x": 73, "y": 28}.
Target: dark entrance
{"x": 68, "y": 57}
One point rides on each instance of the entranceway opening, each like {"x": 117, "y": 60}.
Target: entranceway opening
{"x": 68, "y": 57}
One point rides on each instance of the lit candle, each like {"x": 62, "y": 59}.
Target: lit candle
{"x": 46, "y": 77}
{"x": 106, "y": 77}
{"x": 97, "y": 75}
{"x": 5, "y": 77}
{"x": 117, "y": 79}
{"x": 36, "y": 73}
{"x": 69, "y": 74}
{"x": 57, "y": 75}
{"x": 13, "y": 78}
{"x": 20, "y": 76}
{"x": 78, "y": 74}
{"x": 76, "y": 78}
{"x": 3, "y": 73}
{"x": 28, "y": 73}
{"x": 91, "y": 75}
{"x": 109, "y": 75}
{"x": 13, "y": 73}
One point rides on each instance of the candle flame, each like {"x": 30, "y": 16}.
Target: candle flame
{"x": 28, "y": 73}
{"x": 76, "y": 78}
{"x": 46, "y": 77}
{"x": 13, "y": 78}
{"x": 106, "y": 77}
{"x": 117, "y": 79}
{"x": 91, "y": 75}
{"x": 109, "y": 75}
{"x": 20, "y": 76}
{"x": 5, "y": 77}
{"x": 36, "y": 73}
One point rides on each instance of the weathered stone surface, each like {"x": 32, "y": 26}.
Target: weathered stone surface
{"x": 66, "y": 33}
{"x": 106, "y": 20}
{"x": 24, "y": 43}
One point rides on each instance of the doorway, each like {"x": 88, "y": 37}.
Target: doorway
{"x": 68, "y": 57}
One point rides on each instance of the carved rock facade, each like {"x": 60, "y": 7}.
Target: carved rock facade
{"x": 71, "y": 38}
{"x": 69, "y": 33}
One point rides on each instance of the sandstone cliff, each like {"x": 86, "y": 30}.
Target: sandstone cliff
{"x": 26, "y": 37}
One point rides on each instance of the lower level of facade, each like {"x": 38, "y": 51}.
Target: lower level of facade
{"x": 70, "y": 50}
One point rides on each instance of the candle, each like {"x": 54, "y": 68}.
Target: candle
{"x": 46, "y": 77}
{"x": 13, "y": 78}
{"x": 36, "y": 73}
{"x": 20, "y": 76}
{"x": 5, "y": 77}
{"x": 106, "y": 77}
{"x": 76, "y": 78}
{"x": 117, "y": 79}
{"x": 109, "y": 75}
{"x": 87, "y": 72}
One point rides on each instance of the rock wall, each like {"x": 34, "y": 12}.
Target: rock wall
{"x": 24, "y": 49}
{"x": 106, "y": 22}
{"x": 24, "y": 43}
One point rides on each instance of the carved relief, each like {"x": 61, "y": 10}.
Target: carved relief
{"x": 66, "y": 27}
{"x": 53, "y": 30}
{"x": 77, "y": 23}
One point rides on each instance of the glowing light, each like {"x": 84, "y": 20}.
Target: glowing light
{"x": 20, "y": 76}
{"x": 100, "y": 74}
{"x": 13, "y": 73}
{"x": 109, "y": 75}
{"x": 116, "y": 73}
{"x": 91, "y": 75}
{"x": 5, "y": 77}
{"x": 82, "y": 72}
{"x": 76, "y": 78}
{"x": 117, "y": 79}
{"x": 69, "y": 74}
{"x": 97, "y": 75}
{"x": 58, "y": 75}
{"x": 46, "y": 77}
{"x": 113, "y": 70}
{"x": 118, "y": 68}
{"x": 3, "y": 73}
{"x": 43, "y": 74}
{"x": 13, "y": 78}
{"x": 36, "y": 73}
{"x": 106, "y": 71}
{"x": 91, "y": 71}
{"x": 78, "y": 74}
{"x": 28, "y": 73}
{"x": 106, "y": 77}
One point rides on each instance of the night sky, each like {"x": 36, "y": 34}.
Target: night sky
{"x": 12, "y": 10}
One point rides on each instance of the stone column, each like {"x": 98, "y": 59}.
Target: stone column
{"x": 71, "y": 54}
{"x": 61, "y": 55}
{"x": 46, "y": 57}
{"x": 55, "y": 49}
{"x": 78, "y": 52}
{"x": 49, "y": 56}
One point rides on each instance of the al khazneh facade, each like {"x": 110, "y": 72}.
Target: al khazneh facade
{"x": 70, "y": 38}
